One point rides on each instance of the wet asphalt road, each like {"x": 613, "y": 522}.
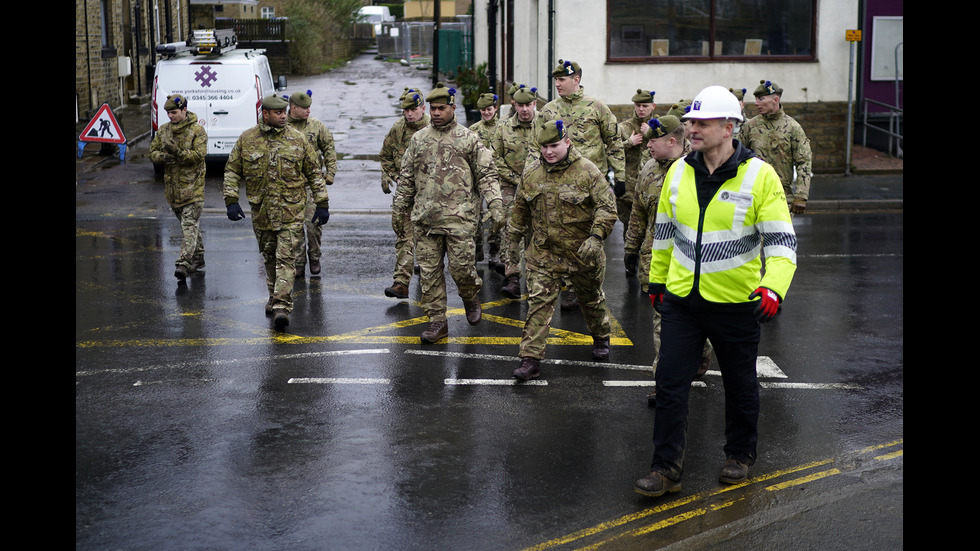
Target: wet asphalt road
{"x": 200, "y": 427}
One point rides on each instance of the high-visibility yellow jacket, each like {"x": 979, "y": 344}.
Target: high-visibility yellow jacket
{"x": 713, "y": 249}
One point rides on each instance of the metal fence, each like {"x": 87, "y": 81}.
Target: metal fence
{"x": 412, "y": 41}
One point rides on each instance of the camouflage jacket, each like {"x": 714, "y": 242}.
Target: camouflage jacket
{"x": 276, "y": 165}
{"x": 780, "y": 141}
{"x": 486, "y": 129}
{"x": 322, "y": 140}
{"x": 445, "y": 171}
{"x": 183, "y": 169}
{"x": 643, "y": 217}
{"x": 633, "y": 153}
{"x": 557, "y": 207}
{"x": 512, "y": 143}
{"x": 593, "y": 130}
{"x": 395, "y": 144}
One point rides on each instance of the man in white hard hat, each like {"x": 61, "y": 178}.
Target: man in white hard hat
{"x": 719, "y": 208}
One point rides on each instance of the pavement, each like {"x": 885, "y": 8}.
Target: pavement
{"x": 875, "y": 182}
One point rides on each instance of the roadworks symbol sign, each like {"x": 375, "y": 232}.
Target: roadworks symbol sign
{"x": 103, "y": 128}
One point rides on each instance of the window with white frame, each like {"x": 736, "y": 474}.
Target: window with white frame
{"x": 711, "y": 30}
{"x": 268, "y": 13}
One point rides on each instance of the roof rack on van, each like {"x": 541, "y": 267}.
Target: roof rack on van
{"x": 202, "y": 42}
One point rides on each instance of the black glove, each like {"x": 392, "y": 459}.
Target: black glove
{"x": 235, "y": 212}
{"x": 619, "y": 188}
{"x": 321, "y": 216}
{"x": 631, "y": 260}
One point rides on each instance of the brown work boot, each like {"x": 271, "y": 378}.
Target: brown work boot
{"x": 280, "y": 318}
{"x": 474, "y": 312}
{"x": 528, "y": 369}
{"x": 314, "y": 267}
{"x": 600, "y": 348}
{"x": 656, "y": 484}
{"x": 436, "y": 330}
{"x": 734, "y": 472}
{"x": 568, "y": 300}
{"x": 300, "y": 271}
{"x": 180, "y": 273}
{"x": 512, "y": 289}
{"x": 397, "y": 290}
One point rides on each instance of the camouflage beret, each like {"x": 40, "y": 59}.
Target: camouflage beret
{"x": 301, "y": 99}
{"x": 565, "y": 69}
{"x": 643, "y": 96}
{"x": 661, "y": 127}
{"x": 739, "y": 93}
{"x": 766, "y": 88}
{"x": 441, "y": 94}
{"x": 411, "y": 99}
{"x": 525, "y": 95}
{"x": 552, "y": 131}
{"x": 175, "y": 101}
{"x": 486, "y": 100}
{"x": 274, "y": 102}
{"x": 680, "y": 108}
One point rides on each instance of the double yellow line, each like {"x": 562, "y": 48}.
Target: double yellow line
{"x": 609, "y": 526}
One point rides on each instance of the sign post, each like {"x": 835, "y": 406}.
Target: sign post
{"x": 103, "y": 128}
{"x": 853, "y": 36}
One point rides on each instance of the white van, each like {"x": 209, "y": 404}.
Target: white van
{"x": 224, "y": 90}
{"x": 376, "y": 15}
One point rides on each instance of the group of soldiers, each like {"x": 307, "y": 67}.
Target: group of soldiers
{"x": 549, "y": 186}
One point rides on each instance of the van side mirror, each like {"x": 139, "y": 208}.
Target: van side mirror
{"x": 281, "y": 83}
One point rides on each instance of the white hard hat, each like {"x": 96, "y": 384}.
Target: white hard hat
{"x": 715, "y": 102}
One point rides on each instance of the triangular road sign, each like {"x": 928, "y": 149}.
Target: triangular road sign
{"x": 103, "y": 128}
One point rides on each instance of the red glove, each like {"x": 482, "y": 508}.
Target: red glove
{"x": 656, "y": 300}
{"x": 769, "y": 305}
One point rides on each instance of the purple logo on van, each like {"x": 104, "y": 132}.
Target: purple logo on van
{"x": 205, "y": 76}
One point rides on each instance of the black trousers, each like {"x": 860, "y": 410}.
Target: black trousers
{"x": 734, "y": 332}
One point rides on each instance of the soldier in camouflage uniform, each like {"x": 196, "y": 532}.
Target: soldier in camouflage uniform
{"x": 779, "y": 140}
{"x": 444, "y": 172}
{"x": 277, "y": 165}
{"x": 666, "y": 142}
{"x": 181, "y": 146}
{"x": 631, "y": 132}
{"x": 485, "y": 128}
{"x": 565, "y": 210}
{"x": 414, "y": 118}
{"x": 513, "y": 142}
{"x": 322, "y": 140}
{"x": 592, "y": 128}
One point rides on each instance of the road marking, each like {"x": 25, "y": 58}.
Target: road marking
{"x": 495, "y": 382}
{"x": 337, "y": 381}
{"x": 604, "y": 527}
{"x": 812, "y": 386}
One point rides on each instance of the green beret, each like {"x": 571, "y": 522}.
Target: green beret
{"x": 175, "y": 101}
{"x": 301, "y": 99}
{"x": 525, "y": 95}
{"x": 513, "y": 89}
{"x": 411, "y": 99}
{"x": 680, "y": 108}
{"x": 643, "y": 96}
{"x": 766, "y": 88}
{"x": 552, "y": 131}
{"x": 661, "y": 127}
{"x": 565, "y": 69}
{"x": 739, "y": 93}
{"x": 441, "y": 94}
{"x": 486, "y": 100}
{"x": 274, "y": 102}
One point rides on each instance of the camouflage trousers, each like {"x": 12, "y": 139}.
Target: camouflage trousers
{"x": 624, "y": 206}
{"x": 430, "y": 250}
{"x": 191, "y": 244}
{"x": 311, "y": 246}
{"x": 404, "y": 251}
{"x": 543, "y": 288}
{"x": 278, "y": 249}
{"x": 657, "y": 322}
{"x": 510, "y": 256}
